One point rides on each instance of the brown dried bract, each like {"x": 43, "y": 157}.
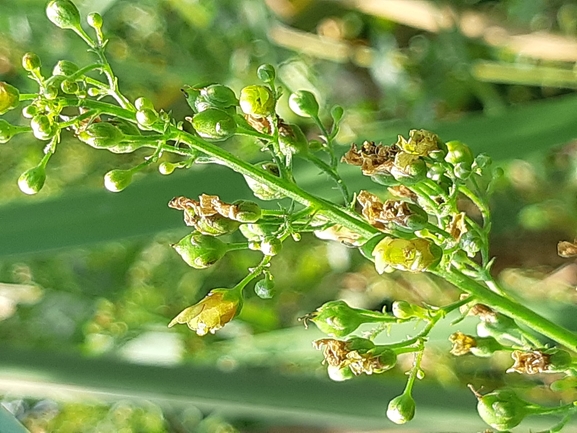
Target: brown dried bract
{"x": 261, "y": 124}
{"x": 532, "y": 362}
{"x": 567, "y": 249}
{"x": 372, "y": 158}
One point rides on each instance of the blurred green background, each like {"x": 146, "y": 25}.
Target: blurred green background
{"x": 88, "y": 281}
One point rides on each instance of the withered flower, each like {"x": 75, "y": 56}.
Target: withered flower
{"x": 340, "y": 234}
{"x": 420, "y": 142}
{"x": 462, "y": 343}
{"x": 401, "y": 191}
{"x": 457, "y": 226}
{"x": 485, "y": 313}
{"x": 372, "y": 158}
{"x": 567, "y": 249}
{"x": 398, "y": 212}
{"x": 532, "y": 362}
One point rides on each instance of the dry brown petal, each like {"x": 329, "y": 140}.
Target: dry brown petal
{"x": 462, "y": 343}
{"x": 485, "y": 313}
{"x": 457, "y": 226}
{"x": 372, "y": 158}
{"x": 529, "y": 362}
{"x": 567, "y": 249}
{"x": 334, "y": 351}
{"x": 401, "y": 191}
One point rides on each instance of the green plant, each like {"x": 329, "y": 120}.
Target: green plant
{"x": 420, "y": 227}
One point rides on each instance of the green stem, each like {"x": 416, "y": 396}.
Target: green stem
{"x": 332, "y": 173}
{"x": 513, "y": 309}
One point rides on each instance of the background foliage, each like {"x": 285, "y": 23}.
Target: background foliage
{"x": 89, "y": 279}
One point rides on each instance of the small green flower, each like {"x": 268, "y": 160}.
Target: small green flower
{"x": 9, "y": 97}
{"x": 416, "y": 255}
{"x": 257, "y": 101}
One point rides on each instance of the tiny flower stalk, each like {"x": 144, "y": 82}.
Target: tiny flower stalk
{"x": 32, "y": 180}
{"x": 401, "y": 409}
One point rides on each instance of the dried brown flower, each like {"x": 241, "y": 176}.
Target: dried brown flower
{"x": 457, "y": 226}
{"x": 462, "y": 343}
{"x": 372, "y": 158}
{"x": 567, "y": 249}
{"x": 532, "y": 362}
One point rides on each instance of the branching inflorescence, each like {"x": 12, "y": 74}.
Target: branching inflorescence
{"x": 419, "y": 228}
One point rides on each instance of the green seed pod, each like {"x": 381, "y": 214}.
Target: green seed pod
{"x": 101, "y": 135}
{"x": 500, "y": 327}
{"x": 304, "y": 104}
{"x": 271, "y": 246}
{"x": 65, "y": 68}
{"x": 117, "y": 180}
{"x": 142, "y": 103}
{"x": 94, "y": 20}
{"x": 339, "y": 374}
{"x": 385, "y": 179}
{"x": 9, "y": 97}
{"x": 264, "y": 288}
{"x": 42, "y": 127}
{"x": 69, "y": 87}
{"x": 315, "y": 146}
{"x": 64, "y": 14}
{"x": 246, "y": 211}
{"x": 214, "y": 124}
{"x": 401, "y": 409}
{"x": 146, "y": 117}
{"x": 337, "y": 319}
{"x": 459, "y": 153}
{"x": 411, "y": 173}
{"x": 7, "y": 131}
{"x": 291, "y": 139}
{"x": 559, "y": 360}
{"x": 485, "y": 347}
{"x": 257, "y": 101}
{"x": 387, "y": 358}
{"x": 360, "y": 344}
{"x": 32, "y": 180}
{"x": 266, "y": 73}
{"x": 167, "y": 168}
{"x": 219, "y": 96}
{"x": 260, "y": 190}
{"x": 502, "y": 409}
{"x": 30, "y": 62}
{"x": 216, "y": 225}
{"x": 200, "y": 251}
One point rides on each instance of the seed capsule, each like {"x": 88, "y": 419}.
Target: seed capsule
{"x": 214, "y": 124}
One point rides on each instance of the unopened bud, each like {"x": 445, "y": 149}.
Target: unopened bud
{"x": 304, "y": 104}
{"x": 30, "y": 62}
{"x": 64, "y": 14}
{"x": 200, "y": 251}
{"x": 94, "y": 20}
{"x": 32, "y": 180}
{"x": 214, "y": 124}
{"x": 42, "y": 127}
{"x": 117, "y": 180}
{"x": 9, "y": 97}
{"x": 266, "y": 73}
{"x": 65, "y": 68}
{"x": 264, "y": 288}
{"x": 401, "y": 409}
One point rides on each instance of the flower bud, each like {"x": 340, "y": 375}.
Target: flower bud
{"x": 146, "y": 117}
{"x": 117, "y": 180}
{"x": 471, "y": 243}
{"x": 94, "y": 20}
{"x": 401, "y": 409}
{"x": 291, "y": 139}
{"x": 271, "y": 246}
{"x": 218, "y": 96}
{"x": 7, "y": 131}
{"x": 257, "y": 101}
{"x": 64, "y": 14}
{"x": 101, "y": 135}
{"x": 29, "y": 111}
{"x": 200, "y": 251}
{"x": 216, "y": 225}
{"x": 264, "y": 288}
{"x": 32, "y": 180}
{"x": 416, "y": 255}
{"x": 69, "y": 87}
{"x": 304, "y": 104}
{"x": 266, "y": 73}
{"x": 167, "y": 168}
{"x": 502, "y": 409}
{"x": 42, "y": 127}
{"x": 404, "y": 310}
{"x": 214, "y": 124}
{"x": 459, "y": 153}
{"x": 337, "y": 319}
{"x": 9, "y": 97}
{"x": 65, "y": 68}
{"x": 30, "y": 62}
{"x": 255, "y": 232}
{"x": 246, "y": 211}
{"x": 337, "y": 113}
{"x": 339, "y": 374}
{"x": 462, "y": 170}
{"x": 142, "y": 103}
{"x": 51, "y": 91}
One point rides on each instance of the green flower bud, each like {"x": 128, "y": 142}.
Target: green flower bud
{"x": 408, "y": 168}
{"x": 117, "y": 180}
{"x": 260, "y": 190}
{"x": 360, "y": 344}
{"x": 435, "y": 172}
{"x": 219, "y": 96}
{"x": 502, "y": 409}
{"x": 42, "y": 127}
{"x": 291, "y": 139}
{"x": 387, "y": 358}
{"x": 7, "y": 131}
{"x": 315, "y": 146}
{"x": 304, "y": 104}
{"x": 337, "y": 319}
{"x": 200, "y": 251}
{"x": 337, "y": 113}
{"x": 69, "y": 87}
{"x": 559, "y": 360}
{"x": 416, "y": 255}
{"x": 214, "y": 124}
{"x": 146, "y": 117}
{"x": 405, "y": 310}
{"x": 94, "y": 20}
{"x": 65, "y": 68}
{"x": 401, "y": 409}
{"x": 266, "y": 73}
{"x": 64, "y": 14}
{"x": 339, "y": 374}
{"x": 9, "y": 97}
{"x": 29, "y": 111}
{"x": 51, "y": 91}
{"x": 462, "y": 170}
{"x": 142, "y": 103}
{"x": 255, "y": 232}
{"x": 167, "y": 168}
{"x": 483, "y": 161}
{"x": 271, "y": 246}
{"x": 246, "y": 211}
{"x": 485, "y": 347}
{"x": 257, "y": 101}
{"x": 32, "y": 180}
{"x": 101, "y": 135}
{"x": 471, "y": 243}
{"x": 30, "y": 62}
{"x": 264, "y": 288}
{"x": 459, "y": 153}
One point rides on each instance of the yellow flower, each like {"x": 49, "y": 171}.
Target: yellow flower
{"x": 415, "y": 255}
{"x": 218, "y": 308}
